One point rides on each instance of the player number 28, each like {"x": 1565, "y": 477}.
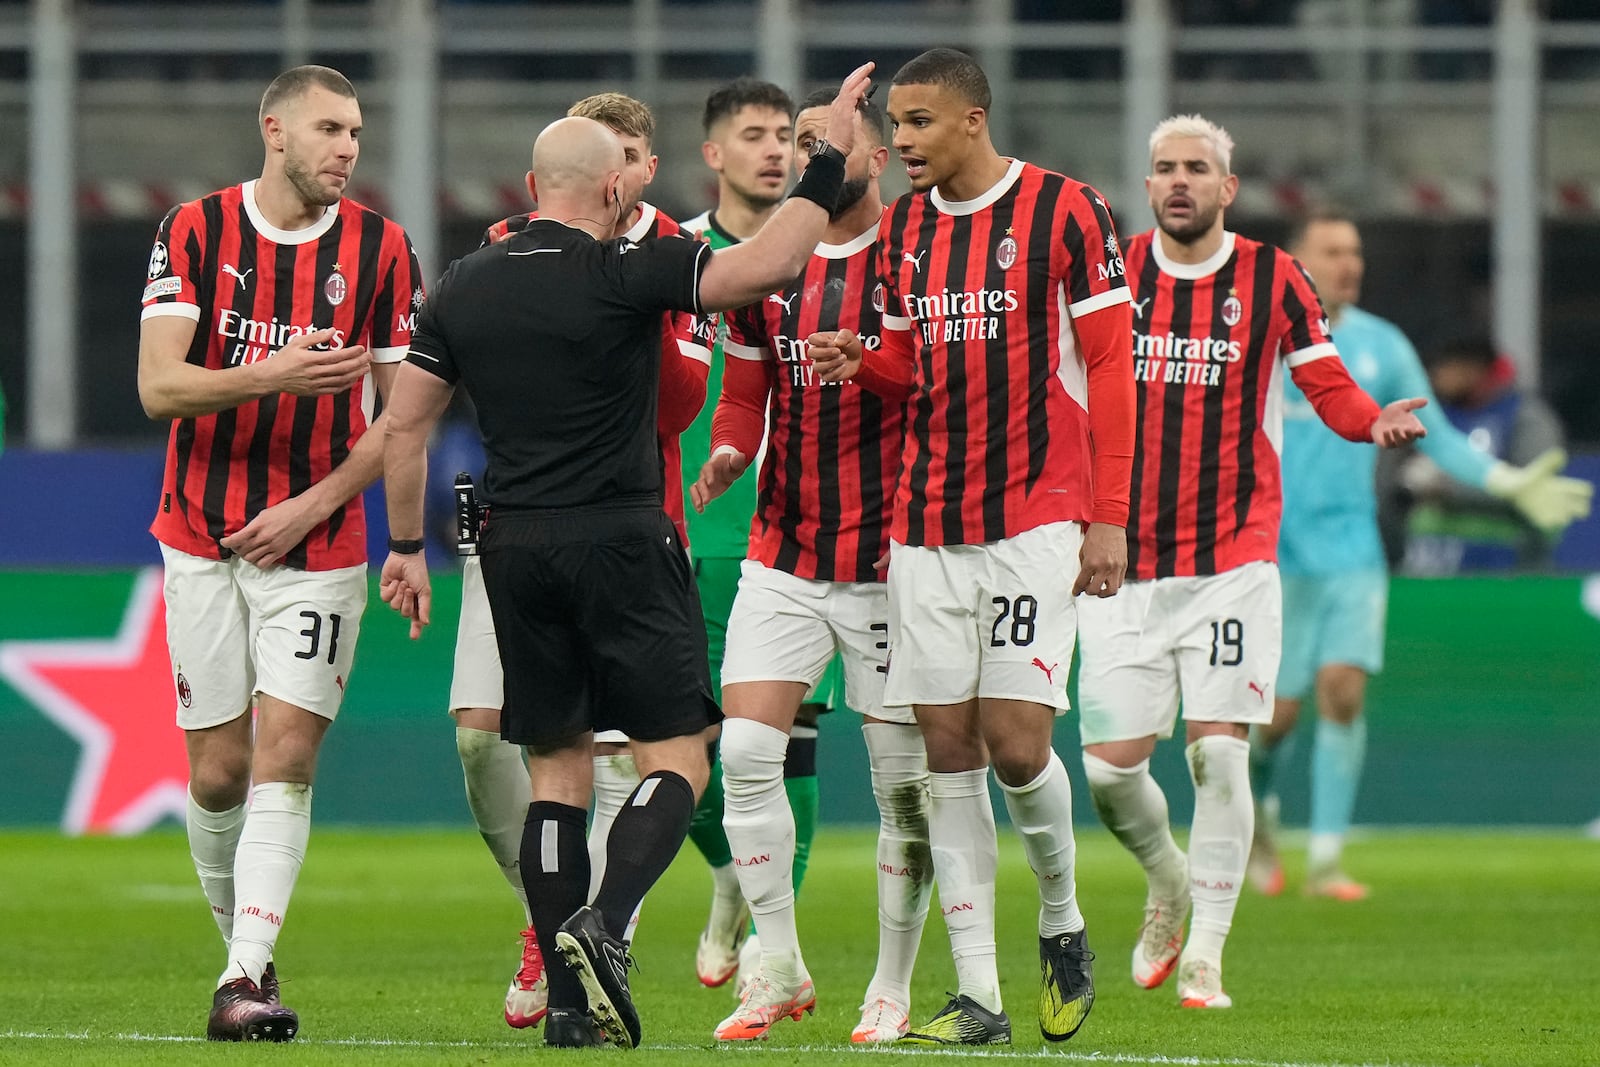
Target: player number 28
{"x": 1022, "y": 612}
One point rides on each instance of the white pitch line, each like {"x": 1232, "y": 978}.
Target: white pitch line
{"x": 1154, "y": 1060}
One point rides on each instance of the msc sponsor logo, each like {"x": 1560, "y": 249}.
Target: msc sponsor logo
{"x": 1111, "y": 268}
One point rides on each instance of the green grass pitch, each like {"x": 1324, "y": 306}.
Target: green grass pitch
{"x": 1475, "y": 948}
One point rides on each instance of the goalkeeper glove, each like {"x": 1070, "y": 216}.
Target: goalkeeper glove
{"x": 1548, "y": 500}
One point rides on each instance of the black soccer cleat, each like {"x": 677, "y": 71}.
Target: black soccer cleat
{"x": 1066, "y": 984}
{"x": 963, "y": 1021}
{"x": 601, "y": 963}
{"x": 571, "y": 1028}
{"x": 269, "y": 983}
{"x": 240, "y": 1011}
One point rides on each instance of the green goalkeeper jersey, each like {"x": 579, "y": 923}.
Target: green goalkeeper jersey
{"x": 722, "y": 531}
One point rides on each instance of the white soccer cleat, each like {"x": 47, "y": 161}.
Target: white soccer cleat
{"x": 529, "y": 995}
{"x": 763, "y": 1004}
{"x": 1160, "y": 941}
{"x": 882, "y": 1020}
{"x": 749, "y": 964}
{"x": 1200, "y": 985}
{"x": 716, "y": 959}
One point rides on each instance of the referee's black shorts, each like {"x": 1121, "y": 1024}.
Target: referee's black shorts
{"x": 598, "y": 623}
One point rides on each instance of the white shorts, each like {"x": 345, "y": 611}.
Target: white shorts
{"x": 476, "y": 680}
{"x": 235, "y": 630}
{"x": 787, "y": 629}
{"x": 1210, "y": 642}
{"x": 994, "y": 620}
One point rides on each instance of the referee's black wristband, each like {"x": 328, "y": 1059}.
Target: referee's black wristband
{"x": 822, "y": 181}
{"x": 406, "y": 548}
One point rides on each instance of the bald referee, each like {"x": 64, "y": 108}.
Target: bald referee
{"x": 555, "y": 333}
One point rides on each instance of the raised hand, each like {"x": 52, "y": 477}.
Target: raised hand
{"x": 841, "y": 132}
{"x": 1396, "y": 425}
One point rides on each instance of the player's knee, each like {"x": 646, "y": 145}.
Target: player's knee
{"x": 219, "y": 781}
{"x": 1342, "y": 695}
{"x": 1017, "y": 763}
{"x": 752, "y": 752}
{"x": 476, "y": 747}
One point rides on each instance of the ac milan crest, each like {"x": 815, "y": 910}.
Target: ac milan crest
{"x": 1232, "y": 311}
{"x": 1005, "y": 253}
{"x": 335, "y": 288}
{"x": 879, "y": 301}
{"x": 185, "y": 694}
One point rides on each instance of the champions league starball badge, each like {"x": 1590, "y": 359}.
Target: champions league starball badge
{"x": 158, "y": 261}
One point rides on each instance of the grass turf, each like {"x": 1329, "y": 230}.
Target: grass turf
{"x": 1475, "y": 948}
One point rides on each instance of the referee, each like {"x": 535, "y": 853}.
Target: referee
{"x": 556, "y": 335}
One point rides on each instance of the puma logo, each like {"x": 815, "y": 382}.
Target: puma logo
{"x": 229, "y": 268}
{"x": 777, "y": 298}
{"x": 1138, "y": 306}
{"x": 914, "y": 260}
{"x": 1258, "y": 691}
{"x": 1049, "y": 672}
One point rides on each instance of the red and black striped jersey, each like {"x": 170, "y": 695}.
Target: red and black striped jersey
{"x": 1010, "y": 309}
{"x": 685, "y": 359}
{"x": 250, "y": 287}
{"x": 833, "y": 452}
{"x": 1209, "y": 341}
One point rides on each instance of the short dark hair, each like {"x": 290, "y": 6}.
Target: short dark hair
{"x": 726, "y": 100}
{"x": 1319, "y": 213}
{"x": 951, "y": 70}
{"x": 1477, "y": 351}
{"x": 297, "y": 80}
{"x": 871, "y": 114}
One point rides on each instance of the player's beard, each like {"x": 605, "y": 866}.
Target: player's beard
{"x": 1199, "y": 224}
{"x": 850, "y": 194}
{"x": 305, "y": 183}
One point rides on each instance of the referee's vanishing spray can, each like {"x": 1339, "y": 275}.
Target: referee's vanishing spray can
{"x": 466, "y": 516}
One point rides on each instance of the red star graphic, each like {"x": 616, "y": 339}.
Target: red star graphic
{"x": 115, "y": 696}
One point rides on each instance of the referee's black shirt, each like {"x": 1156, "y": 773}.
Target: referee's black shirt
{"x": 557, "y": 338}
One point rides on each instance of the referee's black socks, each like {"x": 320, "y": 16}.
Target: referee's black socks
{"x": 644, "y": 839}
{"x": 555, "y": 874}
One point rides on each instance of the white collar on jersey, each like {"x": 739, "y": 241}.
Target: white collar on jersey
{"x": 1192, "y": 271}
{"x": 647, "y": 219}
{"x": 285, "y": 237}
{"x": 983, "y": 199}
{"x": 856, "y": 244}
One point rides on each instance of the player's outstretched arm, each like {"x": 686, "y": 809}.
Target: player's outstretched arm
{"x": 170, "y": 387}
{"x": 750, "y": 270}
{"x": 1546, "y": 498}
{"x": 1396, "y": 425}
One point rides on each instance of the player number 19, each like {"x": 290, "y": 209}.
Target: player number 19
{"x": 1227, "y": 643}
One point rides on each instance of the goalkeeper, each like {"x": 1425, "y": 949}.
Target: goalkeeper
{"x": 1335, "y": 581}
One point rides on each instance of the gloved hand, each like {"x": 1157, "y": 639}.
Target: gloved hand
{"x": 1548, "y": 500}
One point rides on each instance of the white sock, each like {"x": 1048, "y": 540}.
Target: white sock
{"x": 1041, "y": 811}
{"x": 213, "y": 839}
{"x": 905, "y": 869}
{"x": 1134, "y": 809}
{"x": 615, "y": 779}
{"x": 760, "y": 827}
{"x": 498, "y": 795}
{"x": 271, "y": 849}
{"x": 1323, "y": 852}
{"x": 966, "y": 855}
{"x": 1219, "y": 843}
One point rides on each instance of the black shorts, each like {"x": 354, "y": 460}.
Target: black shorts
{"x": 598, "y": 623}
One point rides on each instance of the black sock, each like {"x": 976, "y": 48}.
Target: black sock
{"x": 643, "y": 841}
{"x": 555, "y": 831}
{"x": 800, "y": 761}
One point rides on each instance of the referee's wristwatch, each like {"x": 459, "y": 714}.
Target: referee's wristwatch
{"x": 406, "y": 547}
{"x": 822, "y": 148}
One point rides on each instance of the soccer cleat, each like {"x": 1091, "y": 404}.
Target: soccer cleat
{"x": 1066, "y": 984}
{"x": 567, "y": 1028}
{"x": 749, "y": 964}
{"x": 763, "y": 1004}
{"x": 269, "y": 983}
{"x": 963, "y": 1021}
{"x": 240, "y": 1011}
{"x": 1264, "y": 869}
{"x": 1155, "y": 953}
{"x": 716, "y": 959}
{"x": 528, "y": 997}
{"x": 601, "y": 963}
{"x": 1334, "y": 885}
{"x": 882, "y": 1020}
{"x": 1200, "y": 985}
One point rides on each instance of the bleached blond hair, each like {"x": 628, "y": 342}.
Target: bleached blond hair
{"x": 1197, "y": 126}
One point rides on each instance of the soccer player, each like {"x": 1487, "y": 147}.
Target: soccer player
{"x": 267, "y": 304}
{"x": 1006, "y": 320}
{"x": 1217, "y": 319}
{"x": 556, "y": 334}
{"x": 810, "y": 587}
{"x": 1335, "y": 580}
{"x": 749, "y": 128}
{"x": 496, "y": 773}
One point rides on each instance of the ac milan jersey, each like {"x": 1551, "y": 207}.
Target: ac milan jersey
{"x": 685, "y": 361}
{"x": 834, "y": 449}
{"x": 1209, "y": 342}
{"x": 251, "y": 287}
{"x": 983, "y": 294}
